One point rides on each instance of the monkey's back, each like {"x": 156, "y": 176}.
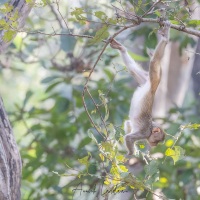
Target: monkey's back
{"x": 141, "y": 108}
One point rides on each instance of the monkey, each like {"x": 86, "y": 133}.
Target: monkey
{"x": 140, "y": 124}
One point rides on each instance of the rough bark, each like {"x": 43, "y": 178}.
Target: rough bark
{"x": 10, "y": 160}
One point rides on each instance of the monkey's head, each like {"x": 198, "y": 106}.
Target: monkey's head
{"x": 157, "y": 135}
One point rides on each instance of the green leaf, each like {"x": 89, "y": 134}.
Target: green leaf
{"x": 101, "y": 15}
{"x": 2, "y": 22}
{"x": 28, "y": 95}
{"x": 14, "y": 17}
{"x": 46, "y": 2}
{"x": 176, "y": 153}
{"x": 7, "y": 8}
{"x": 133, "y": 182}
{"x": 139, "y": 3}
{"x": 152, "y": 179}
{"x": 92, "y": 169}
{"x": 194, "y": 22}
{"x": 107, "y": 146}
{"x": 9, "y": 35}
{"x": 90, "y": 134}
{"x": 113, "y": 20}
{"x": 174, "y": 22}
{"x": 85, "y": 160}
{"x": 151, "y": 168}
{"x": 100, "y": 35}
{"x": 111, "y": 130}
{"x": 29, "y": 1}
{"x": 138, "y": 57}
{"x": 78, "y": 13}
{"x": 67, "y": 43}
{"x": 18, "y": 42}
{"x": 84, "y": 142}
{"x": 50, "y": 79}
{"x": 53, "y": 85}
{"x": 104, "y": 101}
{"x": 32, "y": 153}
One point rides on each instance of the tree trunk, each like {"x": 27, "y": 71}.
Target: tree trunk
{"x": 10, "y": 160}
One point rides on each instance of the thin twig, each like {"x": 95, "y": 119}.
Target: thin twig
{"x": 58, "y": 8}
{"x": 56, "y": 15}
{"x": 95, "y": 64}
{"x": 150, "y": 9}
{"x": 97, "y": 108}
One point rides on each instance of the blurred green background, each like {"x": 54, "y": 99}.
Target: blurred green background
{"x": 42, "y": 79}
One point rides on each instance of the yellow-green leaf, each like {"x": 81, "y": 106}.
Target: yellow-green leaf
{"x": 85, "y": 159}
{"x": 123, "y": 168}
{"x": 29, "y": 1}
{"x": 32, "y": 153}
{"x": 78, "y": 13}
{"x": 177, "y": 153}
{"x": 120, "y": 188}
{"x": 114, "y": 170}
{"x": 2, "y": 22}
{"x": 101, "y": 15}
{"x": 194, "y": 22}
{"x": 101, "y": 156}
{"x": 120, "y": 158}
{"x": 9, "y": 35}
{"x": 169, "y": 143}
{"x": 138, "y": 57}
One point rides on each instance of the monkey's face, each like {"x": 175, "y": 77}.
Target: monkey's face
{"x": 157, "y": 135}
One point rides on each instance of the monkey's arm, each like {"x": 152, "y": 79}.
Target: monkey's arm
{"x": 130, "y": 140}
{"x": 139, "y": 74}
{"x": 155, "y": 68}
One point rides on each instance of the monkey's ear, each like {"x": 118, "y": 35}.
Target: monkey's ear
{"x": 150, "y": 52}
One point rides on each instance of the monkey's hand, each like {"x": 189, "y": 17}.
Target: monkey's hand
{"x": 164, "y": 31}
{"x": 116, "y": 45}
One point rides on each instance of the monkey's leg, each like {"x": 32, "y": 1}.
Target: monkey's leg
{"x": 155, "y": 68}
{"x": 130, "y": 140}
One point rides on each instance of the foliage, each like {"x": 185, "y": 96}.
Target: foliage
{"x": 61, "y": 147}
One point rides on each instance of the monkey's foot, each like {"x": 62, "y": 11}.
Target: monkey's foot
{"x": 167, "y": 24}
{"x": 116, "y": 45}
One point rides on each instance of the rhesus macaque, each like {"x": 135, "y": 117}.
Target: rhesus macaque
{"x": 140, "y": 125}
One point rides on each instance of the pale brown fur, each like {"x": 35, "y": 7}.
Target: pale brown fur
{"x": 140, "y": 126}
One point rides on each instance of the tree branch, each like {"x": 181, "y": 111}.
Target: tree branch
{"x": 176, "y": 27}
